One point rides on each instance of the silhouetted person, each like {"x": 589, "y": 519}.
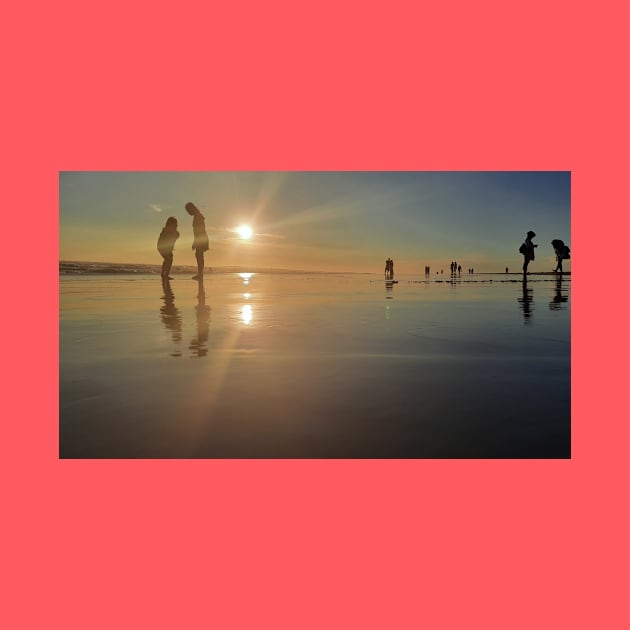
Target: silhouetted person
{"x": 561, "y": 251}
{"x": 198, "y": 345}
{"x": 166, "y": 244}
{"x": 201, "y": 243}
{"x": 387, "y": 268}
{"x": 459, "y": 269}
{"x": 506, "y": 270}
{"x": 170, "y": 315}
{"x": 391, "y": 269}
{"x": 527, "y": 249}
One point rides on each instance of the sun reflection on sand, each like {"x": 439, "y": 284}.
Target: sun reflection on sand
{"x": 246, "y": 314}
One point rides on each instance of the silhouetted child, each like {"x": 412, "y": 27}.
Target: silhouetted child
{"x": 527, "y": 249}
{"x": 166, "y": 244}
{"x": 201, "y": 243}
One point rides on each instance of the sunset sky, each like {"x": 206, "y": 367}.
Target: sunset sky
{"x": 328, "y": 221}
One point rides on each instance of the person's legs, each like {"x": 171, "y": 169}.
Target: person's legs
{"x": 166, "y": 265}
{"x": 525, "y": 263}
{"x": 199, "y": 257}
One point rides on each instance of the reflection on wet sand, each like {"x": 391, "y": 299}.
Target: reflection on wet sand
{"x": 171, "y": 318}
{"x": 389, "y": 290}
{"x": 246, "y": 314}
{"x": 560, "y": 296}
{"x": 198, "y": 344}
{"x": 328, "y": 366}
{"x": 526, "y": 301}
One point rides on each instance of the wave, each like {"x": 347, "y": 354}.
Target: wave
{"x": 68, "y": 267}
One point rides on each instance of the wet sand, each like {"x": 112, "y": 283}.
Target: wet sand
{"x": 315, "y": 366}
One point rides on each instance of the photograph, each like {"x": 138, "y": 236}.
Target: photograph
{"x": 315, "y": 314}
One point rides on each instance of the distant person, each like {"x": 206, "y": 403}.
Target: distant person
{"x": 459, "y": 269}
{"x": 527, "y": 249}
{"x": 201, "y": 244}
{"x": 391, "y": 269}
{"x": 387, "y": 268}
{"x": 166, "y": 244}
{"x": 506, "y": 270}
{"x": 561, "y": 251}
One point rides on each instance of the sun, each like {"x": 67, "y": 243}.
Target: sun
{"x": 244, "y": 231}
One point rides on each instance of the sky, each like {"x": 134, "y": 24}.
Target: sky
{"x": 320, "y": 221}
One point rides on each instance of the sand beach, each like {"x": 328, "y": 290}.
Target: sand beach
{"x": 314, "y": 366}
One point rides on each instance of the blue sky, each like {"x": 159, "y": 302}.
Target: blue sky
{"x": 345, "y": 221}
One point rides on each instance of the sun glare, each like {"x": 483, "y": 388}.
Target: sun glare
{"x": 244, "y": 231}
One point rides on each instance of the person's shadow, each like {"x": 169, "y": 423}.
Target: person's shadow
{"x": 198, "y": 345}
{"x": 559, "y": 298}
{"x": 171, "y": 318}
{"x": 526, "y": 301}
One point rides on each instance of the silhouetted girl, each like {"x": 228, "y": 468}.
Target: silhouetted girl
{"x": 166, "y": 244}
{"x": 201, "y": 243}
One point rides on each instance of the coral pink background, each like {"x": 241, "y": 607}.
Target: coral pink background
{"x": 313, "y": 544}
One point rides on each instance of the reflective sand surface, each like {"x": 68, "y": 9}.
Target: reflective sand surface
{"x": 314, "y": 366}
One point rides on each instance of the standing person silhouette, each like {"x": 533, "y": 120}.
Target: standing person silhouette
{"x": 166, "y": 244}
{"x": 527, "y": 249}
{"x": 201, "y": 243}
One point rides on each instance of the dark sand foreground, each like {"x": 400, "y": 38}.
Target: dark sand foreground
{"x": 314, "y": 366}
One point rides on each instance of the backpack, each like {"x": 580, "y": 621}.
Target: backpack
{"x": 522, "y": 249}
{"x": 565, "y": 254}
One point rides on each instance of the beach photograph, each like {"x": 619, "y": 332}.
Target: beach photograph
{"x": 341, "y": 314}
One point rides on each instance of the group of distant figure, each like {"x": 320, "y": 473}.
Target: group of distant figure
{"x": 561, "y": 251}
{"x": 169, "y": 234}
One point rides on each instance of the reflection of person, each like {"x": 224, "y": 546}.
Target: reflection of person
{"x": 561, "y": 251}
{"x": 170, "y": 314}
{"x": 198, "y": 345}
{"x": 526, "y": 301}
{"x": 201, "y": 243}
{"x": 166, "y": 244}
{"x": 558, "y": 299}
{"x": 527, "y": 249}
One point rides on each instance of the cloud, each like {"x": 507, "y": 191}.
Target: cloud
{"x": 155, "y": 207}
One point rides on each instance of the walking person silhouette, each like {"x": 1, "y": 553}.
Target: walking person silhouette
{"x": 561, "y": 251}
